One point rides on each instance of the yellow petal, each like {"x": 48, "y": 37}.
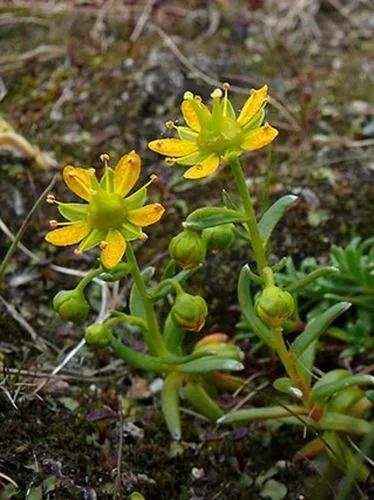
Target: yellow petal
{"x": 253, "y": 104}
{"x": 202, "y": 169}
{"x": 127, "y": 173}
{"x": 68, "y": 235}
{"x": 79, "y": 181}
{"x": 259, "y": 137}
{"x": 147, "y": 215}
{"x": 173, "y": 147}
{"x": 112, "y": 249}
{"x": 189, "y": 115}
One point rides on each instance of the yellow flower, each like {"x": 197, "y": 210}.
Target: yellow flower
{"x": 110, "y": 218}
{"x": 217, "y": 135}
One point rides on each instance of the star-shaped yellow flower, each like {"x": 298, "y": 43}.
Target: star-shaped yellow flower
{"x": 217, "y": 135}
{"x": 110, "y": 218}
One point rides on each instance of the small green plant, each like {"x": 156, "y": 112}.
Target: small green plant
{"x": 335, "y": 406}
{"x": 354, "y": 282}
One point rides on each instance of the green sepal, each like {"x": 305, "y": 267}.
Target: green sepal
{"x": 136, "y": 200}
{"x": 136, "y": 301}
{"x": 72, "y": 211}
{"x": 170, "y": 404}
{"x": 324, "y": 391}
{"x": 317, "y": 327}
{"x": 212, "y": 216}
{"x": 201, "y": 401}
{"x": 94, "y": 238}
{"x": 210, "y": 364}
{"x": 273, "y": 215}
{"x": 130, "y": 232}
{"x": 187, "y": 134}
{"x": 255, "y": 122}
{"x": 192, "y": 158}
{"x": 246, "y": 305}
{"x": 285, "y": 385}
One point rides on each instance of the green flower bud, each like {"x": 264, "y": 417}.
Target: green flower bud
{"x": 189, "y": 312}
{"x": 188, "y": 249}
{"x": 219, "y": 238}
{"x": 274, "y": 306}
{"x": 98, "y": 335}
{"x": 71, "y": 305}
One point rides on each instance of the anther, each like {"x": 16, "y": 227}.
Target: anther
{"x": 51, "y": 199}
{"x": 226, "y": 86}
{"x": 154, "y": 178}
{"x": 77, "y": 251}
{"x": 103, "y": 245}
{"x": 143, "y": 236}
{"x": 198, "y": 98}
{"x": 53, "y": 224}
{"x": 170, "y": 124}
{"x": 188, "y": 95}
{"x": 104, "y": 158}
{"x": 216, "y": 93}
{"x": 170, "y": 161}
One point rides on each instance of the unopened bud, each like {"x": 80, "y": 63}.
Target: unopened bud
{"x": 274, "y": 306}
{"x": 188, "y": 249}
{"x": 98, "y": 335}
{"x": 71, "y": 305}
{"x": 189, "y": 312}
{"x": 219, "y": 238}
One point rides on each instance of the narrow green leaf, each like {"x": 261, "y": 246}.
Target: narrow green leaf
{"x": 135, "y": 301}
{"x": 210, "y": 364}
{"x": 317, "y": 327}
{"x": 269, "y": 412}
{"x": 173, "y": 336}
{"x": 228, "y": 201}
{"x": 212, "y": 216}
{"x": 164, "y": 289}
{"x": 285, "y": 385}
{"x": 318, "y": 273}
{"x": 326, "y": 390}
{"x": 344, "y": 423}
{"x": 245, "y": 301}
{"x": 170, "y": 404}
{"x": 201, "y": 401}
{"x": 273, "y": 215}
{"x": 306, "y": 361}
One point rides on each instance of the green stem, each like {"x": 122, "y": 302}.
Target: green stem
{"x": 252, "y": 226}
{"x": 88, "y": 278}
{"x": 22, "y": 229}
{"x": 138, "y": 359}
{"x": 288, "y": 362}
{"x": 152, "y": 335}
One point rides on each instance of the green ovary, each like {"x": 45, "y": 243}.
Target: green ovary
{"x": 106, "y": 211}
{"x": 223, "y": 135}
